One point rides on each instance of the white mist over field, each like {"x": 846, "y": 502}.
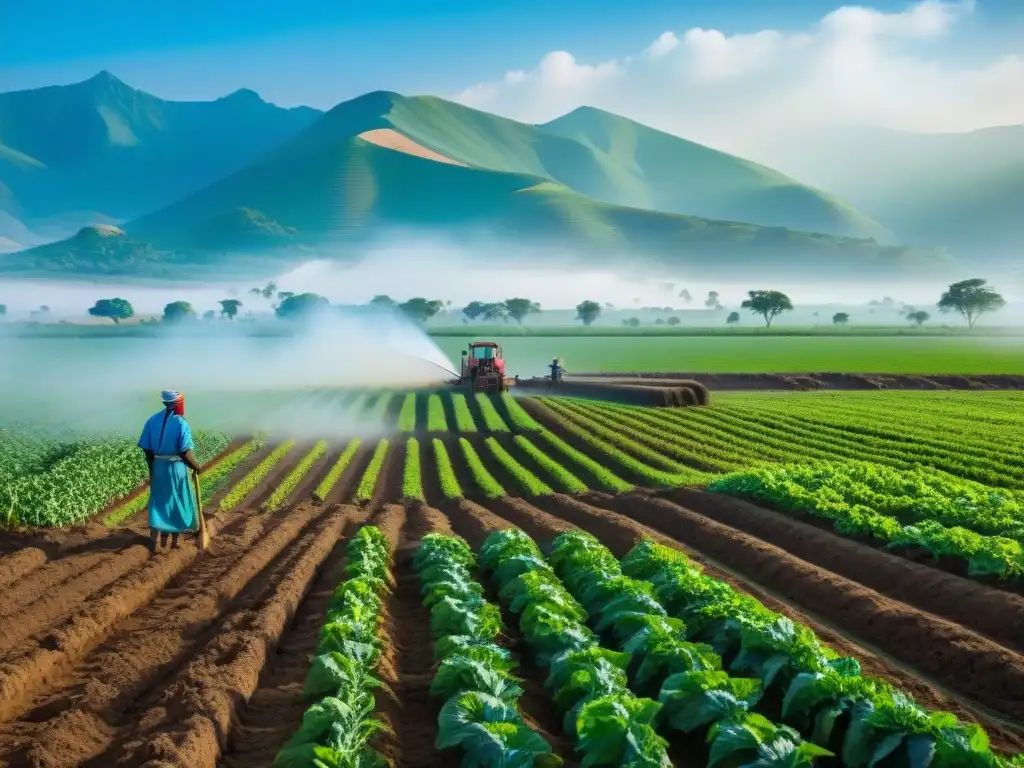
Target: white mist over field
{"x": 236, "y": 382}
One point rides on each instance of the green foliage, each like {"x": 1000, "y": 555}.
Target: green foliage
{"x": 970, "y": 299}
{"x": 492, "y": 419}
{"x": 412, "y": 478}
{"x": 177, "y": 311}
{"x": 76, "y": 486}
{"x": 529, "y": 483}
{"x": 338, "y": 727}
{"x": 566, "y": 480}
{"x": 115, "y": 309}
{"x": 259, "y": 473}
{"x": 767, "y": 304}
{"x": 407, "y": 416}
{"x": 445, "y": 472}
{"x": 475, "y": 674}
{"x": 301, "y": 305}
{"x": 518, "y": 309}
{"x": 229, "y": 308}
{"x": 436, "y": 420}
{"x": 292, "y": 480}
{"x": 588, "y": 311}
{"x": 420, "y": 310}
{"x": 368, "y": 482}
{"x": 840, "y": 318}
{"x": 336, "y": 471}
{"x": 463, "y": 416}
{"x": 904, "y": 508}
{"x": 485, "y": 481}
{"x": 520, "y": 419}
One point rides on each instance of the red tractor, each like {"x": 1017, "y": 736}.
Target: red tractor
{"x": 483, "y": 367}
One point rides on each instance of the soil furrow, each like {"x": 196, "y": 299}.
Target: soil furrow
{"x": 19, "y": 564}
{"x": 957, "y": 657}
{"x": 274, "y": 713}
{"x": 994, "y": 613}
{"x": 618, "y": 533}
{"x": 187, "y": 722}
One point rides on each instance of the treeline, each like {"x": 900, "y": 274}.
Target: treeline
{"x": 968, "y": 298}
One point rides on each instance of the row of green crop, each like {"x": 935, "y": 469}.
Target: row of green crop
{"x": 863, "y": 720}
{"x": 608, "y": 724}
{"x": 474, "y": 675}
{"x": 291, "y": 481}
{"x": 917, "y": 508}
{"x": 76, "y": 487}
{"x": 244, "y": 487}
{"x": 687, "y": 678}
{"x": 336, "y": 730}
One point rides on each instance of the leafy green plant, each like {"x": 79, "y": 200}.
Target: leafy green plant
{"x": 565, "y": 479}
{"x": 463, "y": 416}
{"x": 436, "y": 420}
{"x": 528, "y": 482}
{"x": 291, "y": 482}
{"x": 407, "y": 416}
{"x": 251, "y": 481}
{"x": 446, "y": 472}
{"x": 412, "y": 478}
{"x": 368, "y": 482}
{"x": 492, "y": 419}
{"x": 517, "y": 415}
{"x": 484, "y": 480}
{"x": 335, "y": 472}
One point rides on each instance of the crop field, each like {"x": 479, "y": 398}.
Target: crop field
{"x": 438, "y": 579}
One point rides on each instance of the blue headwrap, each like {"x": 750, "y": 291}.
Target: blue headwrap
{"x": 170, "y": 396}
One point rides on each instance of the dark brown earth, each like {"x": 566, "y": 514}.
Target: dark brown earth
{"x": 805, "y": 381}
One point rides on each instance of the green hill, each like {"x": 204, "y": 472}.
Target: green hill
{"x": 101, "y": 146}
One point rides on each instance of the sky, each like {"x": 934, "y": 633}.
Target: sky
{"x": 694, "y": 67}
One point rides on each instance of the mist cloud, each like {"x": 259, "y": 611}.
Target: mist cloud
{"x": 857, "y": 65}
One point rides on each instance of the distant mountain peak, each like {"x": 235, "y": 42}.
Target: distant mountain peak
{"x": 244, "y": 94}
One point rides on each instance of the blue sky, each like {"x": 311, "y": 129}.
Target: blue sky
{"x": 320, "y": 52}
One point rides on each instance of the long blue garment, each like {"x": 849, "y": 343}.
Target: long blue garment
{"x": 172, "y": 503}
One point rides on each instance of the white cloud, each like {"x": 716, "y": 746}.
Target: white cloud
{"x": 857, "y": 65}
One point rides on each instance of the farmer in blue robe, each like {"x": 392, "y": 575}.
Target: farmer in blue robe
{"x": 167, "y": 442}
{"x": 556, "y": 371}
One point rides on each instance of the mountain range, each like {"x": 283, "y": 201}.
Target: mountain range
{"x": 241, "y": 186}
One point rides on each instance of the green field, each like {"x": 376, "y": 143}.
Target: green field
{"x": 750, "y": 354}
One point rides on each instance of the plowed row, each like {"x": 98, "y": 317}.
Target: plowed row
{"x": 112, "y": 656}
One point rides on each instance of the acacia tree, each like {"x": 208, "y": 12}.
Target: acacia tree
{"x": 733, "y": 318}
{"x": 229, "y": 308}
{"x": 115, "y": 309}
{"x": 302, "y": 304}
{"x": 588, "y": 311}
{"x": 971, "y": 299}
{"x": 383, "y": 300}
{"x": 768, "y": 304}
{"x": 518, "y": 309}
{"x": 474, "y": 309}
{"x": 918, "y": 316}
{"x": 496, "y": 311}
{"x": 840, "y": 318}
{"x": 420, "y": 309}
{"x": 177, "y": 311}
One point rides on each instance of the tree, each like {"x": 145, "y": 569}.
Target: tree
{"x": 588, "y": 311}
{"x": 300, "y": 305}
{"x": 496, "y": 311}
{"x": 918, "y": 316}
{"x": 840, "y": 318}
{"x": 768, "y": 304}
{"x": 712, "y": 302}
{"x": 116, "y": 309}
{"x": 518, "y": 309}
{"x": 266, "y": 291}
{"x": 282, "y": 295}
{"x": 177, "y": 311}
{"x": 733, "y": 318}
{"x": 673, "y": 321}
{"x": 229, "y": 308}
{"x": 3, "y": 310}
{"x": 420, "y": 309}
{"x": 383, "y": 300}
{"x": 971, "y": 299}
{"x": 474, "y": 309}
{"x": 685, "y": 296}
{"x": 209, "y": 315}
{"x": 659, "y": 321}
{"x": 633, "y": 322}
{"x": 44, "y": 309}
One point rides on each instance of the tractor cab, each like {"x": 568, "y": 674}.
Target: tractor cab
{"x": 483, "y": 367}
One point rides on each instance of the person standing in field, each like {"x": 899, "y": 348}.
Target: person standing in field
{"x": 167, "y": 443}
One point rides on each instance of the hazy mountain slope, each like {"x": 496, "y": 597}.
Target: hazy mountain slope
{"x": 102, "y": 146}
{"x": 963, "y": 190}
{"x": 685, "y": 177}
